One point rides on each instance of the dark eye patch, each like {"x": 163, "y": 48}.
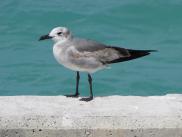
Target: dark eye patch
{"x": 59, "y": 33}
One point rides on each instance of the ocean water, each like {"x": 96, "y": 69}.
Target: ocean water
{"x": 27, "y": 66}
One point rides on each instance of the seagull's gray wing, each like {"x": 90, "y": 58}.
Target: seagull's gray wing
{"x": 99, "y": 51}
{"x": 87, "y": 45}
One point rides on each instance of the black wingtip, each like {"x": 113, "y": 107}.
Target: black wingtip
{"x": 151, "y": 50}
{"x": 134, "y": 54}
{"x": 142, "y": 51}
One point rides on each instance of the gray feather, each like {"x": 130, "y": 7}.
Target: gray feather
{"x": 87, "y": 45}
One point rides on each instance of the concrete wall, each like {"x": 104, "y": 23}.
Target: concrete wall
{"x": 112, "y": 116}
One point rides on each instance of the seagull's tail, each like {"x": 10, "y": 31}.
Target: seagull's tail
{"x": 133, "y": 55}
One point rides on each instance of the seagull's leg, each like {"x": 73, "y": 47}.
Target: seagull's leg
{"x": 90, "y": 85}
{"x": 77, "y": 86}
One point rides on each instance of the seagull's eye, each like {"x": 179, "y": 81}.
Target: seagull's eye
{"x": 59, "y": 33}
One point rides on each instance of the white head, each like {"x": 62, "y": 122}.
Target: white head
{"x": 58, "y": 34}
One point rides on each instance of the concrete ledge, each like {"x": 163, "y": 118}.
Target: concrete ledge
{"x": 112, "y": 116}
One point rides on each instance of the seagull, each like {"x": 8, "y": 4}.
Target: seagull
{"x": 83, "y": 55}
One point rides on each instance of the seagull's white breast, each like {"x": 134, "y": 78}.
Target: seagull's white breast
{"x": 57, "y": 51}
{"x": 61, "y": 55}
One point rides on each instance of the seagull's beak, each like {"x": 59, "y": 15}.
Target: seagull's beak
{"x": 45, "y": 37}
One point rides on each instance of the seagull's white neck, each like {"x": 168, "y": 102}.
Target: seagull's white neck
{"x": 60, "y": 41}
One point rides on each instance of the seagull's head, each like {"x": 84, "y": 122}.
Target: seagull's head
{"x": 58, "y": 34}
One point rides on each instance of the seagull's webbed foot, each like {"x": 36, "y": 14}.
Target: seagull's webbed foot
{"x": 73, "y": 95}
{"x": 86, "y": 99}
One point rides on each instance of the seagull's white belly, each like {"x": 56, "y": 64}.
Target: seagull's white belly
{"x": 60, "y": 54}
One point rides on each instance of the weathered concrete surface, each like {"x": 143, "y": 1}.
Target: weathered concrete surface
{"x": 113, "y": 116}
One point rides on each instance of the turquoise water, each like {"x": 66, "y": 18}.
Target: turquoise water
{"x": 27, "y": 66}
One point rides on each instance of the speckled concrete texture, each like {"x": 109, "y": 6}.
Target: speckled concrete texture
{"x": 112, "y": 116}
